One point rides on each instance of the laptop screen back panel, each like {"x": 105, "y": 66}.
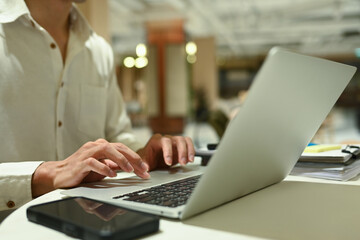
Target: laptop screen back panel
{"x": 289, "y": 99}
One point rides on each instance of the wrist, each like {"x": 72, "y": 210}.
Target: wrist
{"x": 43, "y": 179}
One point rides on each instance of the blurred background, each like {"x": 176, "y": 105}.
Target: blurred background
{"x": 184, "y": 66}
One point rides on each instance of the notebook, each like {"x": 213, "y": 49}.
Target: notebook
{"x": 334, "y": 153}
{"x": 289, "y": 99}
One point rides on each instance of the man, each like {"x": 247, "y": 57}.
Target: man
{"x": 59, "y": 101}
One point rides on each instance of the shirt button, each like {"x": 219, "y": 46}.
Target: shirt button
{"x": 10, "y": 204}
{"x": 59, "y": 124}
{"x": 53, "y": 45}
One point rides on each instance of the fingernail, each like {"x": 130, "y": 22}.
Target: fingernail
{"x": 183, "y": 161}
{"x": 191, "y": 158}
{"x": 112, "y": 173}
{"x": 129, "y": 167}
{"x": 144, "y": 167}
{"x": 168, "y": 161}
{"x": 146, "y": 175}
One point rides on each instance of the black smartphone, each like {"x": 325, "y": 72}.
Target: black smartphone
{"x": 89, "y": 219}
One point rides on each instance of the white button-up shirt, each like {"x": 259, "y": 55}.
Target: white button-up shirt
{"x": 49, "y": 109}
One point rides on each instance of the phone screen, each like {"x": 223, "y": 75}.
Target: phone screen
{"x": 81, "y": 217}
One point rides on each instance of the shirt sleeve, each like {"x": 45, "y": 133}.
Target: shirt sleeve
{"x": 118, "y": 128}
{"x": 15, "y": 183}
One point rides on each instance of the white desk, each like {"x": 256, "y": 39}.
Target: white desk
{"x": 297, "y": 208}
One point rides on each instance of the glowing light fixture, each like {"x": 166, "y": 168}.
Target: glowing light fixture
{"x": 141, "y": 62}
{"x": 191, "y": 59}
{"x": 141, "y": 50}
{"x": 191, "y": 48}
{"x": 129, "y": 62}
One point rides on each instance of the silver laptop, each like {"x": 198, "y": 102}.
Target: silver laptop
{"x": 287, "y": 102}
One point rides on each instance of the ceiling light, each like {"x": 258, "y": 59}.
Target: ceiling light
{"x": 141, "y": 50}
{"x": 191, "y": 59}
{"x": 141, "y": 62}
{"x": 129, "y": 62}
{"x": 191, "y": 48}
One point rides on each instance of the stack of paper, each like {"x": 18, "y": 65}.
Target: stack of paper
{"x": 340, "y": 164}
{"x": 332, "y": 171}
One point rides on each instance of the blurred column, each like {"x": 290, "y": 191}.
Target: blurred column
{"x": 205, "y": 75}
{"x": 166, "y": 77}
{"x": 126, "y": 78}
{"x": 97, "y": 14}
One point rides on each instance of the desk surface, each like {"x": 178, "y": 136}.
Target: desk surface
{"x": 297, "y": 208}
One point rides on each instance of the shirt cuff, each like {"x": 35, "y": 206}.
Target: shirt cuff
{"x": 15, "y": 183}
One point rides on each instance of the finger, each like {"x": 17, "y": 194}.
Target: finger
{"x": 190, "y": 149}
{"x": 140, "y": 167}
{"x": 166, "y": 146}
{"x": 134, "y": 159}
{"x": 111, "y": 164}
{"x": 101, "y": 140}
{"x": 125, "y": 150}
{"x": 181, "y": 149}
{"x": 106, "y": 150}
{"x": 92, "y": 164}
{"x": 144, "y": 175}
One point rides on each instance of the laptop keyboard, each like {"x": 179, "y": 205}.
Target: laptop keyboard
{"x": 171, "y": 194}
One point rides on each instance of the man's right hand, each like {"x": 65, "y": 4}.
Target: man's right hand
{"x": 92, "y": 162}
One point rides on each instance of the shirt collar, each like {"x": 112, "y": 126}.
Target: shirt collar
{"x": 79, "y": 24}
{"x": 10, "y": 10}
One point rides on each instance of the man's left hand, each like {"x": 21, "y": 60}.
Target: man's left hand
{"x": 164, "y": 151}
